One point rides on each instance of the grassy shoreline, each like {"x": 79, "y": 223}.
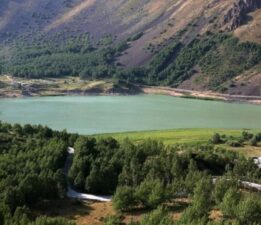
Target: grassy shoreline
{"x": 189, "y": 137}
{"x": 173, "y": 136}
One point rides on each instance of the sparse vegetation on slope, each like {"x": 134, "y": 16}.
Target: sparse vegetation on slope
{"x": 219, "y": 57}
{"x": 171, "y": 33}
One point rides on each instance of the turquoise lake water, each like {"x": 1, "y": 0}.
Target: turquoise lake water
{"x": 105, "y": 114}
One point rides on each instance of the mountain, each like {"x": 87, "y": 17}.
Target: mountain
{"x": 166, "y": 31}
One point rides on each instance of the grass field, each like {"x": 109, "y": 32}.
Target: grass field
{"x": 178, "y": 136}
{"x": 188, "y": 136}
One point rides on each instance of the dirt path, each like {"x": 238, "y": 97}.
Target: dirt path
{"x": 200, "y": 94}
{"x": 82, "y": 196}
{"x": 77, "y": 195}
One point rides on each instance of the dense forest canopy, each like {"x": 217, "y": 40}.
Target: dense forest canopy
{"x": 149, "y": 175}
{"x": 145, "y": 175}
{"x": 32, "y": 159}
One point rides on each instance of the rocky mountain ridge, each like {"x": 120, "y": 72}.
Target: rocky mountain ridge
{"x": 237, "y": 15}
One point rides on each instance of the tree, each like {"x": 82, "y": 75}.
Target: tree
{"x": 157, "y": 217}
{"x": 123, "y": 198}
{"x": 79, "y": 181}
{"x": 248, "y": 211}
{"x": 13, "y": 198}
{"x": 221, "y": 187}
{"x": 192, "y": 176}
{"x": 216, "y": 139}
{"x": 21, "y": 216}
{"x": 246, "y": 135}
{"x": 201, "y": 203}
{"x": 150, "y": 193}
{"x": 18, "y": 129}
{"x": 28, "y": 129}
{"x": 229, "y": 203}
{"x": 31, "y": 188}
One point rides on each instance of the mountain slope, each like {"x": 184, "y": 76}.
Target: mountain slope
{"x": 150, "y": 26}
{"x": 118, "y": 17}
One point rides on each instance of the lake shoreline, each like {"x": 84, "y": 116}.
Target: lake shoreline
{"x": 202, "y": 95}
{"x": 72, "y": 86}
{"x": 93, "y": 114}
{"x": 157, "y": 90}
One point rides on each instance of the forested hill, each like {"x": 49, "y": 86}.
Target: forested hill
{"x": 190, "y": 44}
{"x": 144, "y": 177}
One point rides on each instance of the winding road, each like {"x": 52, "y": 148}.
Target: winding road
{"x": 82, "y": 196}
{"x": 77, "y": 195}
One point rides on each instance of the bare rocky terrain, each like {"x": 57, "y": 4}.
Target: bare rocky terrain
{"x": 159, "y": 20}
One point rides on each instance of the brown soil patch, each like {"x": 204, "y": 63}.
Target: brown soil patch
{"x": 251, "y": 31}
{"x": 71, "y": 14}
{"x": 70, "y": 209}
{"x": 94, "y": 213}
{"x": 216, "y": 215}
{"x": 155, "y": 6}
{"x": 98, "y": 212}
{"x": 248, "y": 83}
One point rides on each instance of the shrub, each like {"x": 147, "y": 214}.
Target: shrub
{"x": 247, "y": 136}
{"x": 253, "y": 141}
{"x": 258, "y": 137}
{"x": 234, "y": 143}
{"x": 150, "y": 193}
{"x": 216, "y": 139}
{"x": 113, "y": 220}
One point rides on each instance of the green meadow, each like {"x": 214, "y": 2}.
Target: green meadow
{"x": 189, "y": 137}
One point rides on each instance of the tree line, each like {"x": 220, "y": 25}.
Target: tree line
{"x": 151, "y": 176}
{"x": 219, "y": 57}
{"x": 237, "y": 207}
{"x": 32, "y": 160}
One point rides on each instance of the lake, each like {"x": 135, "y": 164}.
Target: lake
{"x": 105, "y": 114}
